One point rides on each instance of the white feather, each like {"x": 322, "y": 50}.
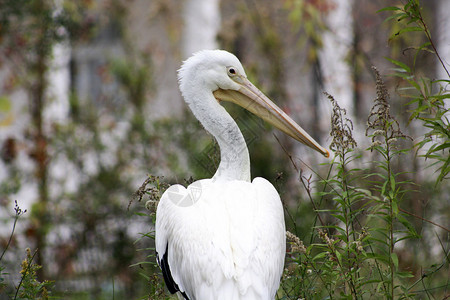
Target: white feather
{"x": 228, "y": 244}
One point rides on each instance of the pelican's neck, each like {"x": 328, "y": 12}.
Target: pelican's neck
{"x": 234, "y": 157}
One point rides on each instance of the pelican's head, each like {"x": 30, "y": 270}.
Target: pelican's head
{"x": 212, "y": 69}
{"x": 221, "y": 73}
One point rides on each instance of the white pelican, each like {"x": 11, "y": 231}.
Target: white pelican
{"x": 224, "y": 237}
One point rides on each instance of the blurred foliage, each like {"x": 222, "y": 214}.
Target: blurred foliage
{"x": 427, "y": 96}
{"x": 354, "y": 250}
{"x": 308, "y": 17}
{"x": 29, "y": 287}
{"x": 357, "y": 250}
{"x": 29, "y": 30}
{"x": 361, "y": 241}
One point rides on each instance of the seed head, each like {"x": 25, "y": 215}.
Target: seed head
{"x": 341, "y": 129}
{"x": 296, "y": 244}
{"x": 380, "y": 119}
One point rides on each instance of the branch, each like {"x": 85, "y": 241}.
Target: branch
{"x": 423, "y": 219}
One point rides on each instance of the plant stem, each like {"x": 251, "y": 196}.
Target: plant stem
{"x": 427, "y": 33}
{"x": 391, "y": 216}
{"x": 10, "y": 237}
{"x": 25, "y": 273}
{"x": 423, "y": 219}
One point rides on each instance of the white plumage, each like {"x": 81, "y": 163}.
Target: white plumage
{"x": 224, "y": 237}
{"x": 217, "y": 247}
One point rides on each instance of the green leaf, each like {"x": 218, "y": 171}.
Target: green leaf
{"x": 404, "y": 274}
{"x": 394, "y": 208}
{"x": 396, "y": 16}
{"x": 141, "y": 214}
{"x": 409, "y": 29}
{"x": 422, "y": 47}
{"x": 394, "y": 259}
{"x": 445, "y": 169}
{"x": 389, "y": 8}
{"x": 440, "y": 147}
{"x": 377, "y": 257}
{"x": 383, "y": 188}
{"x": 392, "y": 181}
{"x": 414, "y": 84}
{"x": 5, "y": 104}
{"x": 400, "y": 64}
{"x": 339, "y": 257}
{"x": 340, "y": 217}
{"x": 318, "y": 256}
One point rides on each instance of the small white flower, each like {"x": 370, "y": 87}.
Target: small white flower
{"x": 378, "y": 132}
{"x": 392, "y": 140}
{"x": 376, "y": 143}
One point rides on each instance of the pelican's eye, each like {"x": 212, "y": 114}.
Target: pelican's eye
{"x": 231, "y": 71}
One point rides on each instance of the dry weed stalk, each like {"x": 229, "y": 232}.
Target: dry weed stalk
{"x": 380, "y": 119}
{"x": 341, "y": 129}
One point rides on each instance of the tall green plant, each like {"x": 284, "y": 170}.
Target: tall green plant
{"x": 332, "y": 265}
{"x": 353, "y": 254}
{"x": 18, "y": 213}
{"x": 427, "y": 96}
{"x": 153, "y": 187}
{"x": 385, "y": 133}
{"x": 29, "y": 286}
{"x": 344, "y": 245}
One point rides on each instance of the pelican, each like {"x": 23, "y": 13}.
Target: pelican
{"x": 224, "y": 237}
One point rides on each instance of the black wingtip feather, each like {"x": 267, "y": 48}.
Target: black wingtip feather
{"x": 163, "y": 263}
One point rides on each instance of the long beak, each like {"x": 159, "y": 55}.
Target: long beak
{"x": 252, "y": 99}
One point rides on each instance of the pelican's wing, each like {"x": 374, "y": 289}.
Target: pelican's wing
{"x": 167, "y": 218}
{"x": 164, "y": 224}
{"x": 221, "y": 240}
{"x": 262, "y": 232}
{"x": 188, "y": 242}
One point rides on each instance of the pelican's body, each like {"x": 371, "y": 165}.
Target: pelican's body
{"x": 224, "y": 237}
{"x": 221, "y": 239}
